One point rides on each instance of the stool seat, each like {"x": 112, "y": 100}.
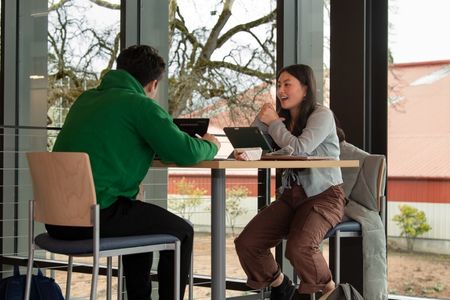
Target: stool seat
{"x": 80, "y": 247}
{"x": 347, "y": 226}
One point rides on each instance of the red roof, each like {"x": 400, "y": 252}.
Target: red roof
{"x": 419, "y": 120}
{"x": 240, "y": 112}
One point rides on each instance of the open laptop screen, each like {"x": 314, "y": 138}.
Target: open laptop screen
{"x": 192, "y": 126}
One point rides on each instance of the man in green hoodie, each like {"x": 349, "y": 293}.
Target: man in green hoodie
{"x": 122, "y": 128}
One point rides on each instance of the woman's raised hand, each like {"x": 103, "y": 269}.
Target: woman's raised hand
{"x": 268, "y": 114}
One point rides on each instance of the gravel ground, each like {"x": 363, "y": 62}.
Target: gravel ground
{"x": 412, "y": 274}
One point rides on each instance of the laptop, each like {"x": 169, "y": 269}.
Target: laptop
{"x": 249, "y": 137}
{"x": 192, "y": 126}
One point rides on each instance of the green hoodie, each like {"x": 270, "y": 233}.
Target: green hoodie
{"x": 121, "y": 129}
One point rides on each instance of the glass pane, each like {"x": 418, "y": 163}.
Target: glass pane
{"x": 222, "y": 67}
{"x": 326, "y": 53}
{"x": 418, "y": 149}
{"x": 63, "y": 47}
{"x": 219, "y": 67}
{"x": 83, "y": 43}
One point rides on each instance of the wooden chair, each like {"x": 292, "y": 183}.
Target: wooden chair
{"x": 64, "y": 194}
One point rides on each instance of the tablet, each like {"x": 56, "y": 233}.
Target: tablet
{"x": 248, "y": 137}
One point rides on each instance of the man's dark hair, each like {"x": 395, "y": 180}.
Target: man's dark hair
{"x": 143, "y": 62}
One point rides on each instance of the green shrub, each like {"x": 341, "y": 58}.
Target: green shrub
{"x": 233, "y": 207}
{"x": 191, "y": 197}
{"x": 412, "y": 223}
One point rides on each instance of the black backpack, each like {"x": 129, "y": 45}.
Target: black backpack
{"x": 42, "y": 288}
{"x": 344, "y": 291}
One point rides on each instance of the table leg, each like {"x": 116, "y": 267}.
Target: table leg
{"x": 218, "y": 233}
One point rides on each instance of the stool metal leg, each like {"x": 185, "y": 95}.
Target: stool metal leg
{"x": 108, "y": 277}
{"x": 263, "y": 293}
{"x": 119, "y": 278}
{"x": 177, "y": 270}
{"x": 191, "y": 279}
{"x": 30, "y": 249}
{"x": 69, "y": 276}
{"x": 95, "y": 269}
{"x": 337, "y": 258}
{"x": 29, "y": 274}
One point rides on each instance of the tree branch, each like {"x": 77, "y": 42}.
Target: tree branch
{"x": 114, "y": 52}
{"x": 263, "y": 46}
{"x": 240, "y": 69}
{"x": 183, "y": 29}
{"x": 57, "y": 5}
{"x": 211, "y": 43}
{"x": 172, "y": 17}
{"x": 245, "y": 27}
{"x": 106, "y": 4}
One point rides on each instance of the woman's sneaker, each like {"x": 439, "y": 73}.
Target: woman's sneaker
{"x": 285, "y": 291}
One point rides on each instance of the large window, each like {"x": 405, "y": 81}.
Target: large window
{"x": 62, "y": 48}
{"x": 53, "y": 50}
{"x": 222, "y": 58}
{"x": 222, "y": 63}
{"x": 418, "y": 149}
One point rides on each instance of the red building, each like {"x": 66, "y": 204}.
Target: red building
{"x": 418, "y": 134}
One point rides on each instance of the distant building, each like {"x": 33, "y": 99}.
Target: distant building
{"x": 418, "y": 142}
{"x": 419, "y": 132}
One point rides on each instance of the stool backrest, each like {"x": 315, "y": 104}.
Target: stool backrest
{"x": 63, "y": 188}
{"x": 369, "y": 187}
{"x": 381, "y": 182}
{"x": 366, "y": 184}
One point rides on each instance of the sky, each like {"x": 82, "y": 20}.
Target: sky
{"x": 419, "y": 30}
{"x": 206, "y": 13}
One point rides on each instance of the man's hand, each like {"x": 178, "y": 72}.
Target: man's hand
{"x": 268, "y": 114}
{"x": 211, "y": 138}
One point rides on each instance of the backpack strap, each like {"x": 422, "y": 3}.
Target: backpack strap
{"x": 355, "y": 294}
{"x": 347, "y": 291}
{"x": 16, "y": 270}
{"x": 39, "y": 273}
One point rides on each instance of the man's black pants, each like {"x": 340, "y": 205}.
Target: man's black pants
{"x": 132, "y": 217}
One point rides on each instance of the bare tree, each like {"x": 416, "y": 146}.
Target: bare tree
{"x": 74, "y": 48}
{"x": 396, "y": 98}
{"x": 200, "y": 71}
{"x": 195, "y": 76}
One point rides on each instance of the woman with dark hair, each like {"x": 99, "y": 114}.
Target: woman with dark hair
{"x": 310, "y": 202}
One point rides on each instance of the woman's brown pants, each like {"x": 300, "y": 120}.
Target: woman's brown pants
{"x": 303, "y": 222}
